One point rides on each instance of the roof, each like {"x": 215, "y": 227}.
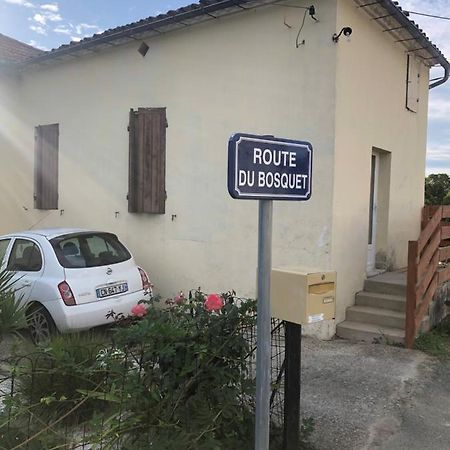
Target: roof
{"x": 387, "y": 13}
{"x": 13, "y": 51}
{"x": 48, "y": 233}
{"x": 396, "y": 22}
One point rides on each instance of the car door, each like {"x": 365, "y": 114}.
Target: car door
{"x": 26, "y": 262}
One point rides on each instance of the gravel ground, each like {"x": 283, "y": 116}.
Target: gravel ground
{"x": 366, "y": 396}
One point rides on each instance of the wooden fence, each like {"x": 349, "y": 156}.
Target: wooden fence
{"x": 426, "y": 268}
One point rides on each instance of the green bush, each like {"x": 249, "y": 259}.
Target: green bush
{"x": 173, "y": 377}
{"x": 12, "y": 314}
{"x": 190, "y": 388}
{"x": 50, "y": 382}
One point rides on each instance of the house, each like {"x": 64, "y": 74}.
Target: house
{"x": 13, "y": 51}
{"x": 127, "y": 131}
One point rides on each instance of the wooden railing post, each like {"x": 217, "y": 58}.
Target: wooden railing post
{"x": 411, "y": 294}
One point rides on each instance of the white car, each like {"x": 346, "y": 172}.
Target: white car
{"x": 70, "y": 279}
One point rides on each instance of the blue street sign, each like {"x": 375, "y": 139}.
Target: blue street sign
{"x": 269, "y": 168}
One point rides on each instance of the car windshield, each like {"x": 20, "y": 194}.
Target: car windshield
{"x": 76, "y": 251}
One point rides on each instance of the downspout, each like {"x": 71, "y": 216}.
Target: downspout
{"x": 445, "y": 77}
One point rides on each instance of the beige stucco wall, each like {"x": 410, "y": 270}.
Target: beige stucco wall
{"x": 240, "y": 73}
{"x": 370, "y": 112}
{"x": 14, "y": 156}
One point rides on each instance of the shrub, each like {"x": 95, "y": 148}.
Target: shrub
{"x": 190, "y": 387}
{"x": 49, "y": 383}
{"x": 173, "y": 378}
{"x": 12, "y": 314}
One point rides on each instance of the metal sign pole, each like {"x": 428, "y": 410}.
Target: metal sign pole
{"x": 262, "y": 423}
{"x": 267, "y": 168}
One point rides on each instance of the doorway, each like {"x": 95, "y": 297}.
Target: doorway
{"x": 374, "y": 180}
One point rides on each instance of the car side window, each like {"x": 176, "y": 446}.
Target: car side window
{"x": 25, "y": 257}
{"x": 3, "y": 247}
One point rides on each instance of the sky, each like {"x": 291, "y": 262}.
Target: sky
{"x": 47, "y": 24}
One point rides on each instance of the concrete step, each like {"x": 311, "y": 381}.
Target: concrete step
{"x": 383, "y": 287}
{"x": 370, "y": 333}
{"x": 379, "y": 300}
{"x": 376, "y": 316}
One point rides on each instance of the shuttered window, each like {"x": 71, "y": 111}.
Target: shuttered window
{"x": 147, "y": 161}
{"x": 46, "y": 166}
{"x": 412, "y": 84}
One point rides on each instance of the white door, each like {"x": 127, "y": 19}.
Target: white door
{"x": 373, "y": 213}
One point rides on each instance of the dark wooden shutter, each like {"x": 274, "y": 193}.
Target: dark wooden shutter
{"x": 147, "y": 163}
{"x": 46, "y": 166}
{"x": 412, "y": 83}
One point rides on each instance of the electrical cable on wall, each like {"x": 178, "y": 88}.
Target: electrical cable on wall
{"x": 297, "y": 43}
{"x": 312, "y": 11}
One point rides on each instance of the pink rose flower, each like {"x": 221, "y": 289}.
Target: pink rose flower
{"x": 213, "y": 303}
{"x": 139, "y": 310}
{"x": 179, "y": 299}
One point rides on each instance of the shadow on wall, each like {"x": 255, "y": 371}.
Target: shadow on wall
{"x": 383, "y": 261}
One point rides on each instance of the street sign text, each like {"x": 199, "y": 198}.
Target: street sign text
{"x": 261, "y": 167}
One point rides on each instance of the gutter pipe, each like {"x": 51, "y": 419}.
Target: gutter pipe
{"x": 443, "y": 79}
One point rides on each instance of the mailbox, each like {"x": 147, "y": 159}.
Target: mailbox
{"x": 302, "y": 296}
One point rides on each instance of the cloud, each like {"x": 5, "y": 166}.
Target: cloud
{"x": 38, "y": 29}
{"x": 20, "y": 3}
{"x": 439, "y": 109}
{"x": 82, "y": 28}
{"x": 52, "y": 7}
{"x": 39, "y": 18}
{"x": 77, "y": 32}
{"x": 62, "y": 30}
{"x": 53, "y": 17}
{"x": 436, "y": 28}
{"x": 34, "y": 44}
{"x": 439, "y": 153}
{"x": 438, "y": 159}
{"x": 45, "y": 17}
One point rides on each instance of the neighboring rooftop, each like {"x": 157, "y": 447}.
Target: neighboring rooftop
{"x": 13, "y": 51}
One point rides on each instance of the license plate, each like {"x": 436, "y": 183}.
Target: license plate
{"x": 108, "y": 291}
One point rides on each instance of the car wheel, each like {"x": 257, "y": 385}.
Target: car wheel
{"x": 40, "y": 324}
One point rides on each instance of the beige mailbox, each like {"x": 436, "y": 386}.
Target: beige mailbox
{"x": 302, "y": 296}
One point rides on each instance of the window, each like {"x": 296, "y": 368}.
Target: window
{"x": 147, "y": 161}
{"x": 412, "y": 84}
{"x": 46, "y": 143}
{"x": 4, "y": 243}
{"x": 25, "y": 257}
{"x": 89, "y": 250}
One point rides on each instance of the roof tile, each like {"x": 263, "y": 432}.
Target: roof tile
{"x": 13, "y": 51}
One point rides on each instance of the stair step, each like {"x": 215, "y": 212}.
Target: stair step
{"x": 379, "y": 300}
{"x": 369, "y": 332}
{"x": 376, "y": 316}
{"x": 371, "y": 285}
